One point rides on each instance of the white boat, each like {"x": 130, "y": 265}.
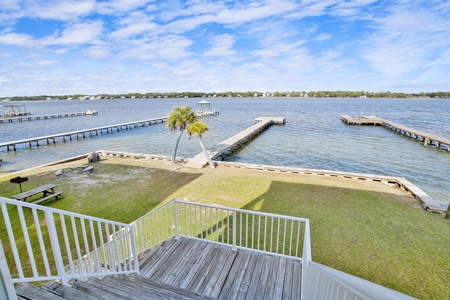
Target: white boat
{"x": 91, "y": 112}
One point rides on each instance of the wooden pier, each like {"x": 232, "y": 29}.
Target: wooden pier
{"x": 45, "y": 117}
{"x": 235, "y": 142}
{"x": 52, "y": 139}
{"x": 426, "y": 138}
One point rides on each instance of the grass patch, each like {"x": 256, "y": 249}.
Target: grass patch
{"x": 363, "y": 228}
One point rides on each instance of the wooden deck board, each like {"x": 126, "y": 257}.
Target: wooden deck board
{"x": 209, "y": 284}
{"x": 216, "y": 264}
{"x": 187, "y": 267}
{"x": 169, "y": 266}
{"x": 287, "y": 285}
{"x": 279, "y": 280}
{"x": 223, "y": 275}
{"x": 266, "y": 293}
{"x": 219, "y": 272}
{"x": 157, "y": 260}
{"x": 170, "y": 277}
{"x": 253, "y": 286}
{"x": 200, "y": 274}
{"x": 245, "y": 283}
{"x": 234, "y": 279}
{"x": 198, "y": 263}
{"x": 296, "y": 280}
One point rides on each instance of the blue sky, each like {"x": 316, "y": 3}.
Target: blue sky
{"x": 67, "y": 47}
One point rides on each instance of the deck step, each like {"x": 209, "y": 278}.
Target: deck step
{"x": 66, "y": 292}
{"x": 109, "y": 288}
{"x": 28, "y": 291}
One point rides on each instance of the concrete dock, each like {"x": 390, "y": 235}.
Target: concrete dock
{"x": 426, "y": 138}
{"x": 235, "y": 142}
{"x": 46, "y": 117}
{"x": 52, "y": 139}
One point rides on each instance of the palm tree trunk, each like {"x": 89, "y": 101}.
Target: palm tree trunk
{"x": 176, "y": 146}
{"x": 210, "y": 162}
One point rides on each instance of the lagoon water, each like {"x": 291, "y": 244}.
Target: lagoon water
{"x": 313, "y": 137}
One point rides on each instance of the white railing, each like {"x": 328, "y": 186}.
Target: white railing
{"x": 269, "y": 233}
{"x": 58, "y": 245}
{"x": 264, "y": 232}
{"x": 7, "y": 290}
{"x": 322, "y": 282}
{"x": 51, "y": 244}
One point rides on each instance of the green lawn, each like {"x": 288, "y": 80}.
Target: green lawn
{"x": 366, "y": 229}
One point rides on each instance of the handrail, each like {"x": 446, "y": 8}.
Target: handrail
{"x": 7, "y": 290}
{"x": 103, "y": 247}
{"x": 151, "y": 230}
{"x": 263, "y": 232}
{"x": 58, "y": 245}
{"x": 322, "y": 282}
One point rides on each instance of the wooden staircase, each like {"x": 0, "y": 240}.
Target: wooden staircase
{"x": 110, "y": 287}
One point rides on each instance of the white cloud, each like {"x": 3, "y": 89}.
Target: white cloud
{"x": 120, "y": 6}
{"x": 221, "y": 46}
{"x": 134, "y": 29}
{"x": 194, "y": 45}
{"x": 77, "y": 34}
{"x": 59, "y": 10}
{"x": 254, "y": 12}
{"x": 188, "y": 24}
{"x": 98, "y": 52}
{"x": 135, "y": 23}
{"x": 351, "y": 8}
{"x": 279, "y": 49}
{"x": 312, "y": 8}
{"x": 170, "y": 10}
{"x": 408, "y": 39}
{"x": 16, "y": 39}
{"x": 170, "y": 46}
{"x": 322, "y": 37}
{"x": 10, "y": 5}
{"x": 46, "y": 62}
{"x": 232, "y": 16}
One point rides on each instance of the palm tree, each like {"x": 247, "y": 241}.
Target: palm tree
{"x": 179, "y": 119}
{"x": 200, "y": 128}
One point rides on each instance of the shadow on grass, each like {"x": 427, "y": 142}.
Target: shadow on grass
{"x": 373, "y": 235}
{"x": 113, "y": 191}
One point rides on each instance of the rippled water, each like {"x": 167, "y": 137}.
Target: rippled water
{"x": 313, "y": 137}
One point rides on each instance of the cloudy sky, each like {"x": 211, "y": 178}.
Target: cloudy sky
{"x": 118, "y": 46}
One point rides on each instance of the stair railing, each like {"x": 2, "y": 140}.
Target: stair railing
{"x": 51, "y": 244}
{"x": 263, "y": 232}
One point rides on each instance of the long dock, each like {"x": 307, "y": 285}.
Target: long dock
{"x": 45, "y": 117}
{"x": 235, "y": 142}
{"x": 49, "y": 139}
{"x": 426, "y": 138}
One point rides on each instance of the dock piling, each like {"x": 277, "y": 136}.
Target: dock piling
{"x": 76, "y": 134}
{"x": 425, "y": 138}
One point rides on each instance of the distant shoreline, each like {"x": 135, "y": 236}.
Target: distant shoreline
{"x": 248, "y": 94}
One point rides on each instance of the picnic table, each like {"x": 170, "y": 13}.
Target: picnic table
{"x": 45, "y": 189}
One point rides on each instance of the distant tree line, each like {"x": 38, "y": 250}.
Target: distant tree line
{"x": 248, "y": 94}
